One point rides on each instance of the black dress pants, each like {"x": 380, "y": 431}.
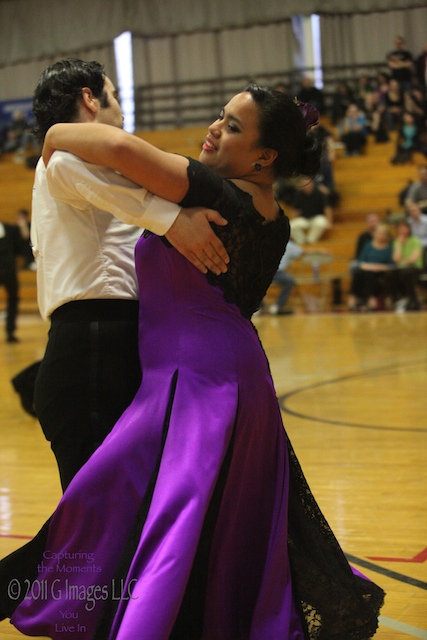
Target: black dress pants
{"x": 88, "y": 376}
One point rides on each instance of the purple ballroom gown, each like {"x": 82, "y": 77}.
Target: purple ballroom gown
{"x": 193, "y": 520}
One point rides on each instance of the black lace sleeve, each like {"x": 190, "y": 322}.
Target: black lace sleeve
{"x": 255, "y": 247}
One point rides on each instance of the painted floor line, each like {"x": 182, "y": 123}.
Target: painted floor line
{"x": 404, "y": 628}
{"x": 386, "y": 572}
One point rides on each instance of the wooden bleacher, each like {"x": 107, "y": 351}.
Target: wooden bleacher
{"x": 365, "y": 183}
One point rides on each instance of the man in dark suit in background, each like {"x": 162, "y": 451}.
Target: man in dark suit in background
{"x": 9, "y": 250}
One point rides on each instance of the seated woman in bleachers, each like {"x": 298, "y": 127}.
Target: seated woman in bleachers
{"x": 376, "y": 122}
{"x": 353, "y": 130}
{"x": 415, "y": 102}
{"x": 408, "y": 258}
{"x": 365, "y": 88}
{"x": 382, "y": 86}
{"x": 408, "y": 140}
{"x": 325, "y": 179}
{"x": 342, "y": 98}
{"x": 369, "y": 280}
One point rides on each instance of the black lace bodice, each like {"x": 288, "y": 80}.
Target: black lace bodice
{"x": 254, "y": 246}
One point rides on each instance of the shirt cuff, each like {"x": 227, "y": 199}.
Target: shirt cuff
{"x": 160, "y": 214}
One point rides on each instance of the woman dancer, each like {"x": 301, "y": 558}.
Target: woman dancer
{"x": 193, "y": 520}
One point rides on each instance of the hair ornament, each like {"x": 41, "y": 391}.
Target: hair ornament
{"x": 309, "y": 113}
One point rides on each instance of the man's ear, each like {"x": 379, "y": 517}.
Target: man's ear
{"x": 89, "y": 102}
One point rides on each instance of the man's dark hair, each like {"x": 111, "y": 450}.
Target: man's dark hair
{"x": 59, "y": 90}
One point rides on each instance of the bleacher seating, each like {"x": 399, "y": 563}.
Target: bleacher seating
{"x": 365, "y": 183}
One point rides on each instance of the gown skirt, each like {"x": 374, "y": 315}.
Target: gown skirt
{"x": 177, "y": 527}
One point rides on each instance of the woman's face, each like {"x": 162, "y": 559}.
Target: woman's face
{"x": 231, "y": 147}
{"x": 352, "y": 111}
{"x": 403, "y": 231}
{"x": 381, "y": 234}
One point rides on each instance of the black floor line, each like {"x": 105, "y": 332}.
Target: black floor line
{"x": 386, "y": 572}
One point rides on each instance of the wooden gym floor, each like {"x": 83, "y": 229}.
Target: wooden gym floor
{"x": 353, "y": 394}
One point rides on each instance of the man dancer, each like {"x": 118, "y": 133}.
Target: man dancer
{"x": 85, "y": 268}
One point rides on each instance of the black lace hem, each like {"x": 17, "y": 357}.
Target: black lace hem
{"x": 335, "y": 603}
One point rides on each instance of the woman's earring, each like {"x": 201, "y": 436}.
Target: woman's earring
{"x": 258, "y": 166}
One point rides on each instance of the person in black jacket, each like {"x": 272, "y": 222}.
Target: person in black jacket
{"x": 9, "y": 250}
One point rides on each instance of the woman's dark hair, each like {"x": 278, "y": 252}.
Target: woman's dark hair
{"x": 404, "y": 223}
{"x": 283, "y": 128}
{"x": 59, "y": 90}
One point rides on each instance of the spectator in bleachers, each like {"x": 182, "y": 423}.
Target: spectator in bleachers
{"x": 307, "y": 92}
{"x": 372, "y": 222}
{"x": 400, "y": 62}
{"x": 368, "y": 281}
{"x": 284, "y": 279}
{"x": 417, "y": 191}
{"x": 18, "y": 136}
{"x": 415, "y": 103}
{"x": 342, "y": 98}
{"x": 24, "y": 225}
{"x": 408, "y": 140}
{"x": 394, "y": 103}
{"x": 9, "y": 251}
{"x": 325, "y": 178}
{"x": 282, "y": 87}
{"x": 421, "y": 68}
{"x": 313, "y": 214}
{"x": 378, "y": 122}
{"x": 14, "y": 132}
{"x": 370, "y": 109}
{"x": 353, "y": 131}
{"x": 369, "y": 106}
{"x": 403, "y": 193}
{"x": 408, "y": 258}
{"x": 285, "y": 191}
{"x": 364, "y": 90}
{"x": 382, "y": 86}
{"x": 417, "y": 221}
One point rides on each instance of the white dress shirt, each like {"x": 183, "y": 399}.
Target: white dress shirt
{"x": 81, "y": 246}
{"x": 419, "y": 228}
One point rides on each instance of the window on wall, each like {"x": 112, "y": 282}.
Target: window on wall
{"x": 123, "y": 55}
{"x": 178, "y": 98}
{"x": 309, "y": 55}
{"x": 317, "y": 50}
